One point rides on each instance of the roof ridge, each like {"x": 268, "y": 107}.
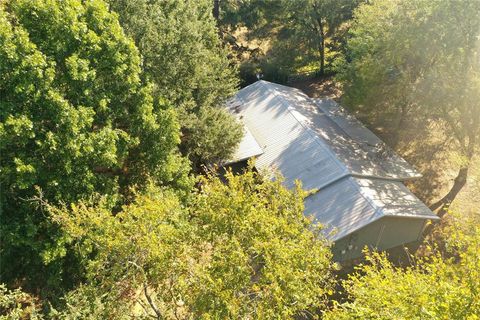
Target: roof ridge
{"x": 269, "y": 86}
{"x": 348, "y": 173}
{"x": 310, "y": 132}
{"x": 378, "y": 209}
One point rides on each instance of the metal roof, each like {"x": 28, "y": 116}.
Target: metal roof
{"x": 352, "y": 203}
{"x": 288, "y": 146}
{"x": 248, "y": 148}
{"x": 317, "y": 142}
{"x": 362, "y": 152}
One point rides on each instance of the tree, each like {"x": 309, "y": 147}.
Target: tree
{"x": 452, "y": 86}
{"x": 184, "y": 58}
{"x": 240, "y": 250}
{"x": 441, "y": 286}
{"x": 209, "y": 135}
{"x": 388, "y": 73}
{"x": 382, "y": 42}
{"x": 17, "y": 305}
{"x": 76, "y": 121}
{"x": 300, "y": 32}
{"x": 315, "y": 21}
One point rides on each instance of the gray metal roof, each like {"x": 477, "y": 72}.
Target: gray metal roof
{"x": 362, "y": 152}
{"x": 352, "y": 203}
{"x": 248, "y": 148}
{"x": 317, "y": 142}
{"x": 288, "y": 146}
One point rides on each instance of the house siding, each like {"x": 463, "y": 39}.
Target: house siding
{"x": 383, "y": 234}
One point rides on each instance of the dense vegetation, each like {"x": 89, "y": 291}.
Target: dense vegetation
{"x": 441, "y": 285}
{"x": 183, "y": 57}
{"x": 239, "y": 250}
{"x": 76, "y": 122}
{"x": 300, "y": 35}
{"x": 110, "y": 109}
{"x": 419, "y": 58}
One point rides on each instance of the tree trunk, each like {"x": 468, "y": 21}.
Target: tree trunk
{"x": 322, "y": 49}
{"x": 216, "y": 9}
{"x": 402, "y": 114}
{"x": 459, "y": 182}
{"x": 443, "y": 204}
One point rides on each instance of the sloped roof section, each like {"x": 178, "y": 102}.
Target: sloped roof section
{"x": 288, "y": 146}
{"x": 248, "y": 148}
{"x": 352, "y": 203}
{"x": 362, "y": 152}
{"x": 357, "y": 178}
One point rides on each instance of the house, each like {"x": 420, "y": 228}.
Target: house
{"x": 359, "y": 196}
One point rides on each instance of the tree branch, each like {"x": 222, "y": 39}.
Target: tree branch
{"x": 151, "y": 302}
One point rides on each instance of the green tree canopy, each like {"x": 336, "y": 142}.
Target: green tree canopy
{"x": 301, "y": 34}
{"x": 419, "y": 59}
{"x": 184, "y": 58}
{"x": 240, "y": 250}
{"x": 75, "y": 121}
{"x": 440, "y": 286}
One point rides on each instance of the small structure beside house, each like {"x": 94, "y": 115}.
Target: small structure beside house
{"x": 359, "y": 196}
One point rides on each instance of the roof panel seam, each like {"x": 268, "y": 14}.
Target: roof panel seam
{"x": 309, "y": 130}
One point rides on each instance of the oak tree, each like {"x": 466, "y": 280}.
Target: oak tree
{"x": 419, "y": 59}
{"x": 76, "y": 121}
{"x": 240, "y": 250}
{"x": 184, "y": 58}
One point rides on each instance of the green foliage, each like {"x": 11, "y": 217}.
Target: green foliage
{"x": 254, "y": 14}
{"x": 418, "y": 61}
{"x": 240, "y": 250}
{"x": 419, "y": 58}
{"x": 441, "y": 286}
{"x": 95, "y": 200}
{"x": 272, "y": 260}
{"x": 299, "y": 32}
{"x": 316, "y": 25}
{"x": 383, "y": 57}
{"x": 75, "y": 121}
{"x": 210, "y": 136}
{"x": 184, "y": 58}
{"x": 17, "y": 305}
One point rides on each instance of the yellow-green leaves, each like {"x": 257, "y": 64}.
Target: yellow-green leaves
{"x": 77, "y": 121}
{"x": 240, "y": 250}
{"x": 18, "y": 305}
{"x": 444, "y": 285}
